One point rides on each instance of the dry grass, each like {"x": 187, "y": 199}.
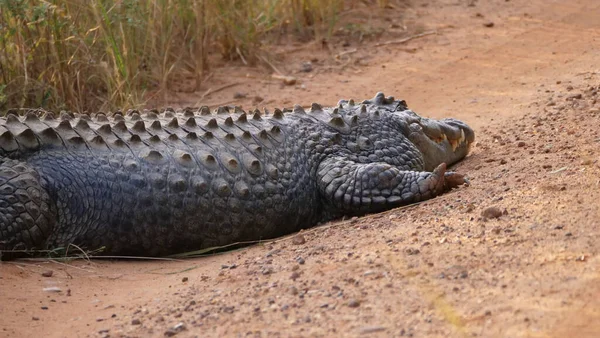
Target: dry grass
{"x": 100, "y": 54}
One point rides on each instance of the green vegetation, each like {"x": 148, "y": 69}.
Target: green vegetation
{"x": 101, "y": 54}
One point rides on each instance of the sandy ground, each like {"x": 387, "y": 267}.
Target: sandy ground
{"x": 529, "y": 85}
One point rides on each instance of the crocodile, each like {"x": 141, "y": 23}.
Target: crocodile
{"x": 156, "y": 183}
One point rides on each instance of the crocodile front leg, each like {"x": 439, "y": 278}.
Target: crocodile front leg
{"x": 359, "y": 188}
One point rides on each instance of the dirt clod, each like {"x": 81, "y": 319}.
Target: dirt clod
{"x": 48, "y": 273}
{"x": 491, "y": 212}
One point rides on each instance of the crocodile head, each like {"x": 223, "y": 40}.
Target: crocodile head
{"x": 440, "y": 141}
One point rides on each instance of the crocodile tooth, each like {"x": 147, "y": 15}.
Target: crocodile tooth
{"x": 298, "y": 109}
{"x": 462, "y": 136}
{"x": 243, "y": 118}
{"x": 277, "y": 114}
{"x": 454, "y": 144}
{"x": 314, "y": 107}
{"x": 191, "y": 122}
{"x": 139, "y": 127}
{"x": 204, "y": 110}
{"x": 173, "y": 123}
{"x": 229, "y": 121}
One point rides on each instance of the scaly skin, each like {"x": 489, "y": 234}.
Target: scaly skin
{"x": 159, "y": 184}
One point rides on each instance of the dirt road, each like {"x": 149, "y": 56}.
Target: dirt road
{"x": 526, "y": 75}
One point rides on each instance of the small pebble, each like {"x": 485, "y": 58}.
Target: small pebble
{"x": 371, "y": 329}
{"x": 184, "y": 279}
{"x": 136, "y": 322}
{"x": 306, "y": 67}
{"x": 48, "y": 273}
{"x": 489, "y": 24}
{"x": 353, "y": 303}
{"x": 298, "y": 240}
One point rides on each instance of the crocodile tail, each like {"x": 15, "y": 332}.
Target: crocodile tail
{"x": 26, "y": 215}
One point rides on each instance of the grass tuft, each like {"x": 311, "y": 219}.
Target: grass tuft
{"x": 89, "y": 55}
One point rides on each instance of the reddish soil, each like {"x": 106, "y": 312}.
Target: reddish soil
{"x": 529, "y": 85}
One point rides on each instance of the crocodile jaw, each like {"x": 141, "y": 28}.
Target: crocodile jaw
{"x": 441, "y": 141}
